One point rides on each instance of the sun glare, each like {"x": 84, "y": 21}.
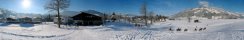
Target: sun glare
{"x": 26, "y": 3}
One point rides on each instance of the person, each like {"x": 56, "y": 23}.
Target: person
{"x": 196, "y": 21}
{"x": 200, "y": 29}
{"x": 195, "y": 29}
{"x": 178, "y": 29}
{"x": 204, "y": 28}
{"x": 185, "y": 30}
{"x": 170, "y": 29}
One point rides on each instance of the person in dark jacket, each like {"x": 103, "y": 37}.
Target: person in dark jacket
{"x": 178, "y": 29}
{"x": 195, "y": 29}
{"x": 170, "y": 29}
{"x": 204, "y": 28}
{"x": 186, "y": 30}
{"x": 200, "y": 29}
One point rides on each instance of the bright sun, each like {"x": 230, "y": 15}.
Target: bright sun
{"x": 26, "y": 3}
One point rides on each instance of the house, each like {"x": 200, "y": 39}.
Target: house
{"x": 87, "y": 19}
{"x": 36, "y": 20}
{"x": 25, "y": 20}
{"x": 2, "y": 20}
{"x": 81, "y": 18}
{"x": 113, "y": 17}
{"x": 64, "y": 20}
{"x": 11, "y": 20}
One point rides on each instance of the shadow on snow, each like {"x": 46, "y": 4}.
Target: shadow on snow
{"x": 4, "y": 24}
{"x": 27, "y": 25}
{"x": 119, "y": 26}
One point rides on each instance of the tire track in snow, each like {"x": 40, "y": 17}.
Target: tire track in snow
{"x": 147, "y": 35}
{"x": 136, "y": 35}
{"x": 130, "y": 36}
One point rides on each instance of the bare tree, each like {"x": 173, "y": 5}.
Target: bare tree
{"x": 5, "y": 13}
{"x": 144, "y": 12}
{"x": 57, "y": 5}
{"x": 165, "y": 17}
{"x": 151, "y": 14}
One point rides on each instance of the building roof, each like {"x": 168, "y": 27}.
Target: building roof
{"x": 86, "y": 16}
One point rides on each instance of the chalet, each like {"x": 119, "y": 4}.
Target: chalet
{"x": 25, "y": 20}
{"x": 87, "y": 19}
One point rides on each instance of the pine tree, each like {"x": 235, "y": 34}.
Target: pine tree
{"x": 151, "y": 14}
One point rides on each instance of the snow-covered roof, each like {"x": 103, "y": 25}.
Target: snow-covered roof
{"x": 94, "y": 12}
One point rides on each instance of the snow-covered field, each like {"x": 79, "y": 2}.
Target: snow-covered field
{"x": 216, "y": 29}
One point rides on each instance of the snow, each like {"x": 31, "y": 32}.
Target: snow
{"x": 217, "y": 29}
{"x": 208, "y": 12}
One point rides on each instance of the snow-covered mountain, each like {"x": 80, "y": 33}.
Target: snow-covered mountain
{"x": 208, "y": 13}
{"x": 21, "y": 15}
{"x": 5, "y": 13}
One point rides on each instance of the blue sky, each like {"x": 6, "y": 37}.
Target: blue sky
{"x": 162, "y": 7}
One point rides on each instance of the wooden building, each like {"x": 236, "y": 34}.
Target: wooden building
{"x": 25, "y": 20}
{"x": 87, "y": 19}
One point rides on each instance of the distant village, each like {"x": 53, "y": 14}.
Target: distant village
{"x": 86, "y": 18}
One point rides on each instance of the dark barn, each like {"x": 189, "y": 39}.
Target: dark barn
{"x": 86, "y": 19}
